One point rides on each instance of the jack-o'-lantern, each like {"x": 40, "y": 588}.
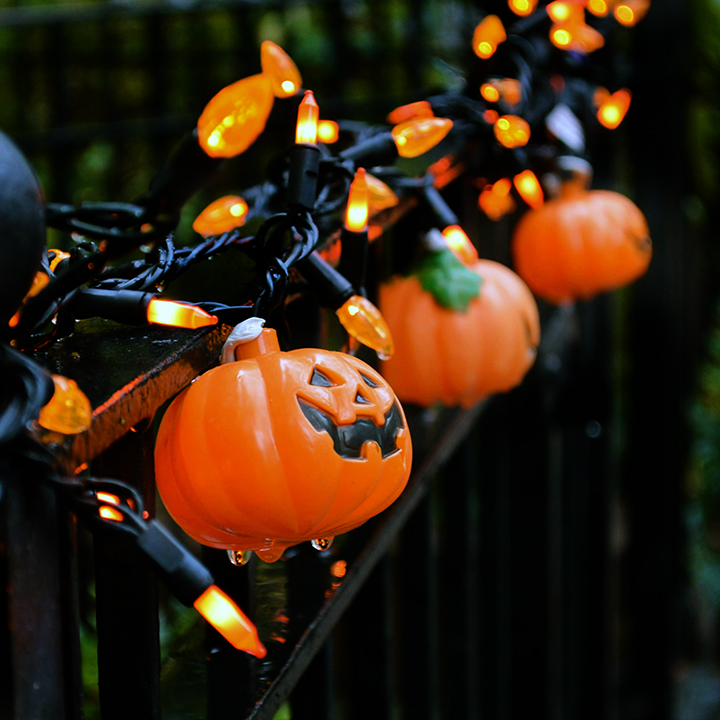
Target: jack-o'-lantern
{"x": 582, "y": 243}
{"x": 281, "y": 447}
{"x": 452, "y": 350}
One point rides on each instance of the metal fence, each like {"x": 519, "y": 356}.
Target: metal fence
{"x": 534, "y": 566}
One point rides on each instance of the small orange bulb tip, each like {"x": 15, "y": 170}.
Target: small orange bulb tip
{"x": 522, "y": 7}
{"x": 489, "y": 33}
{"x": 280, "y": 69}
{"x": 365, "y": 323}
{"x": 599, "y": 8}
{"x": 357, "y": 213}
{"x": 307, "y": 122}
{"x": 221, "y": 216}
{"x": 108, "y": 498}
{"x": 489, "y": 92}
{"x": 415, "y": 137}
{"x": 410, "y": 111}
{"x": 381, "y": 196}
{"x": 631, "y": 12}
{"x": 230, "y": 621}
{"x": 613, "y": 110}
{"x": 69, "y": 411}
{"x": 459, "y": 243}
{"x": 328, "y": 131}
{"x": 512, "y": 131}
{"x": 110, "y": 513}
{"x": 529, "y": 188}
{"x": 175, "y": 314}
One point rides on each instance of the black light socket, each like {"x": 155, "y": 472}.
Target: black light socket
{"x": 303, "y": 177}
{"x": 353, "y": 260}
{"x": 124, "y": 306}
{"x": 332, "y": 288}
{"x": 377, "y": 150}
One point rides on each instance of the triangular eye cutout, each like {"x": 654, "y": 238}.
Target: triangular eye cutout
{"x": 369, "y": 382}
{"x": 360, "y": 399}
{"x": 320, "y": 379}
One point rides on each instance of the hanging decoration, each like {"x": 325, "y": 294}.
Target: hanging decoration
{"x": 276, "y": 448}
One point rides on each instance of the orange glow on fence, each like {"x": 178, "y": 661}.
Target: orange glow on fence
{"x": 69, "y": 411}
{"x": 110, "y": 513}
{"x": 366, "y": 324}
{"x": 487, "y": 36}
{"x": 417, "y": 136}
{"x": 307, "y": 122}
{"x": 381, "y": 196}
{"x": 234, "y": 118}
{"x": 631, "y": 12}
{"x": 599, "y": 8}
{"x": 522, "y": 7}
{"x": 612, "y": 112}
{"x": 328, "y": 131}
{"x": 167, "y": 312}
{"x": 357, "y": 212}
{"x": 512, "y": 131}
{"x": 108, "y": 498}
{"x": 460, "y": 244}
{"x": 418, "y": 109}
{"x": 495, "y": 200}
{"x": 529, "y": 189}
{"x": 221, "y": 216}
{"x": 489, "y": 92}
{"x": 280, "y": 69}
{"x": 230, "y": 621}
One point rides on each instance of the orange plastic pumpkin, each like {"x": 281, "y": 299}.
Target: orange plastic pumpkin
{"x": 583, "y": 243}
{"x": 451, "y": 357}
{"x": 279, "y": 448}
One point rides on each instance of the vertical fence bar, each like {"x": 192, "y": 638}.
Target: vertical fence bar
{"x": 126, "y": 598}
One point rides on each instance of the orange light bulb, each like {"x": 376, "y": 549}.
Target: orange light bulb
{"x": 418, "y": 109}
{"x": 458, "y": 241}
{"x": 561, "y": 37}
{"x": 417, "y": 136}
{"x": 529, "y": 189}
{"x": 366, "y": 324}
{"x": 221, "y": 216}
{"x": 328, "y": 131}
{"x": 489, "y": 92}
{"x": 495, "y": 200}
{"x": 489, "y": 33}
{"x": 58, "y": 258}
{"x": 110, "y": 513}
{"x": 522, "y": 7}
{"x": 512, "y": 131}
{"x": 491, "y": 116}
{"x": 108, "y": 498}
{"x": 600, "y": 95}
{"x": 357, "y": 212}
{"x": 234, "y": 118}
{"x": 381, "y": 196}
{"x": 175, "y": 314}
{"x": 631, "y": 12}
{"x": 307, "y": 122}
{"x": 612, "y": 112}
{"x": 564, "y": 11}
{"x": 280, "y": 69}
{"x": 599, "y": 8}
{"x": 230, "y": 621}
{"x": 69, "y": 411}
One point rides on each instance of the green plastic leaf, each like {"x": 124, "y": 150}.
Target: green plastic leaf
{"x": 451, "y": 283}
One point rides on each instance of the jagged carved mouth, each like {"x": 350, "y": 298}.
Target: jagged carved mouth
{"x": 348, "y": 440}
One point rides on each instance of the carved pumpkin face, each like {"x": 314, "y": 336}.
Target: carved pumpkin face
{"x": 280, "y": 448}
{"x": 455, "y": 358}
{"x": 581, "y": 244}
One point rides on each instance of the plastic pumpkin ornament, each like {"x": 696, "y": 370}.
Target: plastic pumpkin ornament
{"x": 455, "y": 350}
{"x": 582, "y": 243}
{"x": 279, "y": 448}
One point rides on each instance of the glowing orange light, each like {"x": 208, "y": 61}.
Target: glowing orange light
{"x": 332, "y": 251}
{"x": 167, "y": 312}
{"x": 357, "y": 211}
{"x": 600, "y": 95}
{"x": 528, "y": 186}
{"x": 110, "y": 513}
{"x": 403, "y": 113}
{"x": 230, "y": 621}
{"x": 631, "y": 12}
{"x": 510, "y": 90}
{"x": 612, "y": 112}
{"x": 487, "y": 36}
{"x": 522, "y": 7}
{"x": 339, "y": 568}
{"x": 561, "y": 38}
{"x": 562, "y": 11}
{"x": 586, "y": 39}
{"x": 69, "y": 411}
{"x": 489, "y": 92}
{"x": 460, "y": 244}
{"x": 381, "y": 196}
{"x": 491, "y": 116}
{"x": 234, "y": 118}
{"x": 59, "y": 257}
{"x": 14, "y": 320}
{"x": 307, "y": 122}
{"x": 279, "y": 67}
{"x": 512, "y": 131}
{"x": 495, "y": 200}
{"x": 108, "y": 498}
{"x": 366, "y": 324}
{"x": 417, "y": 136}
{"x": 599, "y": 8}
{"x": 328, "y": 131}
{"x": 221, "y": 216}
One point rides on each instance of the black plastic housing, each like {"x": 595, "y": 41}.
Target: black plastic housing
{"x": 331, "y": 288}
{"x": 123, "y": 306}
{"x": 303, "y": 177}
{"x": 377, "y": 150}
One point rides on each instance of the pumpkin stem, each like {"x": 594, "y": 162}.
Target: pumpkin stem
{"x": 248, "y": 340}
{"x": 264, "y": 343}
{"x": 576, "y": 174}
